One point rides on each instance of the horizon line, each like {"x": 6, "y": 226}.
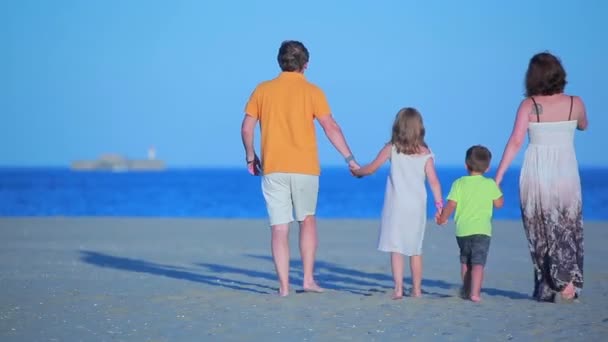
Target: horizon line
{"x": 225, "y": 167}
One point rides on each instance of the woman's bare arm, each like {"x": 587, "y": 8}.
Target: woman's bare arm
{"x": 516, "y": 140}
{"x": 582, "y": 114}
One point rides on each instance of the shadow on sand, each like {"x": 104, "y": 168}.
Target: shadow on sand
{"x": 331, "y": 276}
{"x": 142, "y": 266}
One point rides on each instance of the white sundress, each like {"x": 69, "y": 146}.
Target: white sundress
{"x": 404, "y": 213}
{"x": 551, "y": 204}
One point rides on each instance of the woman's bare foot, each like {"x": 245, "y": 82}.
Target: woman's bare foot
{"x": 568, "y": 292}
{"x": 312, "y": 287}
{"x": 475, "y": 299}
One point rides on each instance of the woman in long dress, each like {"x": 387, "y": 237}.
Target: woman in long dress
{"x": 549, "y": 183}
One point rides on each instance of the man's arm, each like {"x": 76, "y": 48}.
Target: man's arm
{"x": 247, "y": 130}
{"x": 334, "y": 134}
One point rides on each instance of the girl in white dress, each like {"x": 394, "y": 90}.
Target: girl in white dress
{"x": 404, "y": 212}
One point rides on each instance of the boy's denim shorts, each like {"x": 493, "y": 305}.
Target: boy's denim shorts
{"x": 473, "y": 249}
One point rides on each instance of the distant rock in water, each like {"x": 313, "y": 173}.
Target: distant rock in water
{"x": 118, "y": 163}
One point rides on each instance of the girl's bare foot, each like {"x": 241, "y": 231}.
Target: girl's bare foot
{"x": 475, "y": 299}
{"x": 283, "y": 292}
{"x": 312, "y": 287}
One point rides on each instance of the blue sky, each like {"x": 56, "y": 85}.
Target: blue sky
{"x": 82, "y": 78}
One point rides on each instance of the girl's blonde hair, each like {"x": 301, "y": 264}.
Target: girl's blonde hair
{"x": 408, "y": 131}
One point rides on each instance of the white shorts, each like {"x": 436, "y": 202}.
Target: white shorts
{"x": 289, "y": 193}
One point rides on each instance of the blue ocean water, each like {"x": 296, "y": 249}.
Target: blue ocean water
{"x": 226, "y": 193}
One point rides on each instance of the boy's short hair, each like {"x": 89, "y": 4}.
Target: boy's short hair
{"x": 478, "y": 158}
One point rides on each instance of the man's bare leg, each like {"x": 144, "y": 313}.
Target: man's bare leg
{"x": 416, "y": 269}
{"x": 465, "y": 274}
{"x": 280, "y": 255}
{"x": 397, "y": 264}
{"x": 476, "y": 280}
{"x": 308, "y": 250}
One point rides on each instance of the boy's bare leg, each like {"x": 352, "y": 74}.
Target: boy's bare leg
{"x": 416, "y": 269}
{"x": 308, "y": 250}
{"x": 465, "y": 274}
{"x": 397, "y": 264}
{"x": 280, "y": 255}
{"x": 476, "y": 280}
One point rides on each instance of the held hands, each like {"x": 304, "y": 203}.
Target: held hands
{"x": 355, "y": 169}
{"x": 254, "y": 167}
{"x": 439, "y": 220}
{"x": 438, "y": 217}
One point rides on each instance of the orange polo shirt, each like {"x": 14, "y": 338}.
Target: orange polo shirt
{"x": 286, "y": 108}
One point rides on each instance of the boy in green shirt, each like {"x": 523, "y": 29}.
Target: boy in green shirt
{"x": 473, "y": 197}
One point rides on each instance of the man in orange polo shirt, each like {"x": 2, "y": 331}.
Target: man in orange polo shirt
{"x": 286, "y": 108}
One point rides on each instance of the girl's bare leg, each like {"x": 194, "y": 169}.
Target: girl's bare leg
{"x": 397, "y": 265}
{"x": 416, "y": 269}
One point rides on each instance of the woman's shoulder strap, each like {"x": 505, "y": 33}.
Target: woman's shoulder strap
{"x": 536, "y": 109}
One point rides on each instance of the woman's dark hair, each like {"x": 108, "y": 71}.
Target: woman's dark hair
{"x": 293, "y": 56}
{"x": 545, "y": 75}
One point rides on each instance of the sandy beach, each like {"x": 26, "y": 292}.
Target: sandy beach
{"x": 114, "y": 279}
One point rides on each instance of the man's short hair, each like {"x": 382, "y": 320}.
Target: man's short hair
{"x": 293, "y": 56}
{"x": 478, "y": 158}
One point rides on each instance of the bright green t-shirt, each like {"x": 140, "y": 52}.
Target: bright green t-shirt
{"x": 474, "y": 196}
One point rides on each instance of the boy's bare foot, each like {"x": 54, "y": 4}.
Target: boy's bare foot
{"x": 313, "y": 287}
{"x": 463, "y": 293}
{"x": 475, "y": 299}
{"x": 416, "y": 293}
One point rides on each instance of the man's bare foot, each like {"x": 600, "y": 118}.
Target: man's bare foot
{"x": 313, "y": 287}
{"x": 475, "y": 299}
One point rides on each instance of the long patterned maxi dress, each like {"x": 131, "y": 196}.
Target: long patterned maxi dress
{"x": 551, "y": 205}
